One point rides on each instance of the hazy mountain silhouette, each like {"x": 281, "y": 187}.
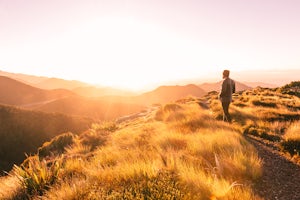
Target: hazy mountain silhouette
{"x": 101, "y": 109}
{"x": 164, "y": 94}
{"x": 55, "y": 83}
{"x": 160, "y": 95}
{"x": 14, "y": 92}
{"x": 208, "y": 87}
{"x": 92, "y": 91}
{"x": 25, "y": 78}
{"x": 111, "y": 107}
{"x": 45, "y": 82}
{"x": 260, "y": 84}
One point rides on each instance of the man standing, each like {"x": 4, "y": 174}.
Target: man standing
{"x": 228, "y": 87}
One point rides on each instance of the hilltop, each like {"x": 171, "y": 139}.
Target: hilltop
{"x": 173, "y": 151}
{"x": 102, "y": 107}
{"x": 177, "y": 150}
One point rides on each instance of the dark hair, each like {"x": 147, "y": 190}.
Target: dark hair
{"x": 226, "y": 72}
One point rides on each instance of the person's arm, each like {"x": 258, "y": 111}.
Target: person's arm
{"x": 223, "y": 89}
{"x": 233, "y": 86}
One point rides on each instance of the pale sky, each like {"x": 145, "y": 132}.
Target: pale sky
{"x": 136, "y": 43}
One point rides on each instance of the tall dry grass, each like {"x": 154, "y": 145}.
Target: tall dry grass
{"x": 181, "y": 152}
{"x": 291, "y": 141}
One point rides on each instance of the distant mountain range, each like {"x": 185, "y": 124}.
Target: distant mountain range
{"x": 13, "y": 92}
{"x": 164, "y": 94}
{"x": 92, "y": 91}
{"x": 45, "y": 82}
{"x": 78, "y": 98}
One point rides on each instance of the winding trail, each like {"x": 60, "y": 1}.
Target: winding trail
{"x": 280, "y": 179}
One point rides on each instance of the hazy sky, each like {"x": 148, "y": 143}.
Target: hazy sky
{"x": 133, "y": 43}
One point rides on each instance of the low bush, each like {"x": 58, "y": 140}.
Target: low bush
{"x": 93, "y": 139}
{"x": 291, "y": 146}
{"x": 264, "y": 104}
{"x": 57, "y": 145}
{"x": 37, "y": 176}
{"x": 260, "y": 132}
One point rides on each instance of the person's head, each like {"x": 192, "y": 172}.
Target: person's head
{"x": 226, "y": 73}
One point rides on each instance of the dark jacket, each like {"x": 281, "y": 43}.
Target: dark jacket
{"x": 228, "y": 87}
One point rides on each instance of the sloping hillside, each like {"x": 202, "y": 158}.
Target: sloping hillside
{"x": 260, "y": 84}
{"x": 13, "y": 92}
{"x": 56, "y": 83}
{"x": 95, "y": 108}
{"x": 178, "y": 151}
{"x": 92, "y": 91}
{"x": 111, "y": 107}
{"x": 25, "y": 78}
{"x": 164, "y": 94}
{"x": 44, "y": 82}
{"x": 270, "y": 119}
{"x": 160, "y": 95}
{"x": 22, "y": 131}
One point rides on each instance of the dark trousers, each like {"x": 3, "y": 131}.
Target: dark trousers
{"x": 226, "y": 115}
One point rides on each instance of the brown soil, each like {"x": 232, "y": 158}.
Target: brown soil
{"x": 281, "y": 177}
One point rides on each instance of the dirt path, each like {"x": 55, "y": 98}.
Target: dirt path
{"x": 281, "y": 177}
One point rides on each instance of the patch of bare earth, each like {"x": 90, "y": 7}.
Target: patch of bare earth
{"x": 281, "y": 177}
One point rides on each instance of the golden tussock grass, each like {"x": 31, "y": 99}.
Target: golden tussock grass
{"x": 181, "y": 153}
{"x": 293, "y": 132}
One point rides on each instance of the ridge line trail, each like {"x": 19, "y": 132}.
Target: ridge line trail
{"x": 280, "y": 177}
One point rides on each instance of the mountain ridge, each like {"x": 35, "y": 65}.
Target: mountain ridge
{"x": 13, "y": 92}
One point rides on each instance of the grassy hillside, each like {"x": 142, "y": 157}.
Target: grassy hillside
{"x": 161, "y": 95}
{"x": 111, "y": 107}
{"x": 23, "y": 131}
{"x": 178, "y": 151}
{"x": 95, "y": 108}
{"x": 271, "y": 115}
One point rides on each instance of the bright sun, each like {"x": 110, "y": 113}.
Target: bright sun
{"x": 124, "y": 52}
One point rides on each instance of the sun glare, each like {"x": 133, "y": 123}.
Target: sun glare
{"x": 128, "y": 53}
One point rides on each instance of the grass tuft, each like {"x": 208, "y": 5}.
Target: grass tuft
{"x": 37, "y": 175}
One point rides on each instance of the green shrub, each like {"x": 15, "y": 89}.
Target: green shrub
{"x": 105, "y": 126}
{"x": 270, "y": 137}
{"x": 172, "y": 107}
{"x": 239, "y": 104}
{"x": 260, "y": 132}
{"x": 292, "y": 84}
{"x": 264, "y": 104}
{"x": 57, "y": 145}
{"x": 291, "y": 146}
{"x": 93, "y": 139}
{"x": 37, "y": 176}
